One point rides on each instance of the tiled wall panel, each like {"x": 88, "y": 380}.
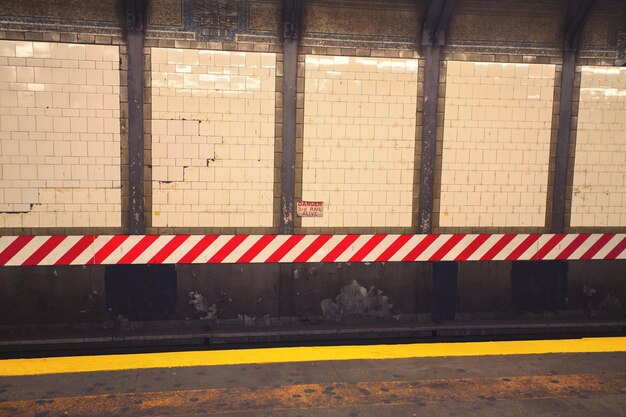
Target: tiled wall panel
{"x": 496, "y": 144}
{"x": 59, "y": 135}
{"x": 359, "y": 140}
{"x": 212, "y": 138}
{"x": 599, "y": 191}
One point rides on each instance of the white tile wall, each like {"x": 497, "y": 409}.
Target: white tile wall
{"x": 599, "y": 192}
{"x": 213, "y": 118}
{"x": 59, "y": 135}
{"x": 359, "y": 140}
{"x": 496, "y": 144}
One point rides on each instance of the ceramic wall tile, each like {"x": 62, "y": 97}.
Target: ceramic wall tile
{"x": 599, "y": 189}
{"x": 359, "y": 140}
{"x": 496, "y": 144}
{"x": 59, "y": 135}
{"x": 213, "y": 118}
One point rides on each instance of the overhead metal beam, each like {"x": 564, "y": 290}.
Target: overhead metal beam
{"x": 135, "y": 14}
{"x": 433, "y": 38}
{"x": 577, "y": 14}
{"x": 579, "y": 11}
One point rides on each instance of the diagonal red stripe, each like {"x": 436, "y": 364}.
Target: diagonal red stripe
{"x": 393, "y": 248}
{"x": 446, "y": 247}
{"x": 256, "y": 249}
{"x": 14, "y": 247}
{"x": 522, "y": 247}
{"x": 472, "y": 247}
{"x": 285, "y": 248}
{"x": 579, "y": 240}
{"x": 230, "y": 246}
{"x": 367, "y": 248}
{"x": 78, "y": 248}
{"x": 420, "y": 247}
{"x": 549, "y": 245}
{"x": 595, "y": 248}
{"x": 44, "y": 250}
{"x": 108, "y": 248}
{"x": 497, "y": 247}
{"x": 313, "y": 248}
{"x": 617, "y": 250}
{"x": 137, "y": 250}
{"x": 197, "y": 249}
{"x": 340, "y": 248}
{"x": 168, "y": 249}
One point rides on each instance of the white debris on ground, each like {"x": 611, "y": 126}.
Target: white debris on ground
{"x": 254, "y": 321}
{"x": 202, "y": 307}
{"x": 610, "y": 306}
{"x": 355, "y": 301}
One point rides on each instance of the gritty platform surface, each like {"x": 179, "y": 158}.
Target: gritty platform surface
{"x": 591, "y": 384}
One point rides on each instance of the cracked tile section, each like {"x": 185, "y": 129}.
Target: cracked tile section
{"x": 212, "y": 138}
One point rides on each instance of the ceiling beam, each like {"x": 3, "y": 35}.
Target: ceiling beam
{"x": 437, "y": 21}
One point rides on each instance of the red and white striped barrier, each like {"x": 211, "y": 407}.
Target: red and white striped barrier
{"x": 199, "y": 249}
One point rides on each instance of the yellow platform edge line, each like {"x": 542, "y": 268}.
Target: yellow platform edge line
{"x": 100, "y": 363}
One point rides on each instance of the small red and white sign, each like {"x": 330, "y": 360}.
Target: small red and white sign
{"x": 310, "y": 208}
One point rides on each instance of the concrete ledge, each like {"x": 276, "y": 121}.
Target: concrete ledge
{"x": 196, "y": 334}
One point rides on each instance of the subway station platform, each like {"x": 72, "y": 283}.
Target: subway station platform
{"x": 576, "y": 377}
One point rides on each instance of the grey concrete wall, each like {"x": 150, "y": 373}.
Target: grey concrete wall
{"x": 74, "y": 295}
{"x": 594, "y": 286}
{"x": 52, "y": 295}
{"x": 484, "y": 287}
{"x": 235, "y": 290}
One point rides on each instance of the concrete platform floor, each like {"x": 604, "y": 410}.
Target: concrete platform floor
{"x": 549, "y": 384}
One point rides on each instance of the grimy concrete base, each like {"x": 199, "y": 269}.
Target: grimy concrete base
{"x": 98, "y": 297}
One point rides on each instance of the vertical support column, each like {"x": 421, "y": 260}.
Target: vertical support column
{"x": 444, "y": 274}
{"x": 563, "y": 141}
{"x": 288, "y": 165}
{"x": 291, "y": 11}
{"x": 291, "y": 23}
{"x": 134, "y": 48}
{"x": 432, "y": 56}
{"x": 577, "y": 13}
{"x": 433, "y": 39}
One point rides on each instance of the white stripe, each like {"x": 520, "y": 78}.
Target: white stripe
{"x": 536, "y": 247}
{"x": 243, "y": 247}
{"x": 153, "y": 249}
{"x": 56, "y": 253}
{"x": 510, "y": 247}
{"x": 88, "y": 254}
{"x": 27, "y": 250}
{"x": 272, "y": 247}
{"x": 560, "y": 247}
{"x": 610, "y": 245}
{"x": 407, "y": 247}
{"x": 5, "y": 241}
{"x": 183, "y": 249}
{"x": 459, "y": 247}
{"x": 587, "y": 244}
{"x": 433, "y": 247}
{"x": 326, "y": 248}
{"x": 122, "y": 250}
{"x": 298, "y": 248}
{"x": 623, "y": 254}
{"x": 353, "y": 248}
{"x": 212, "y": 249}
{"x": 380, "y": 248}
{"x": 485, "y": 247}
